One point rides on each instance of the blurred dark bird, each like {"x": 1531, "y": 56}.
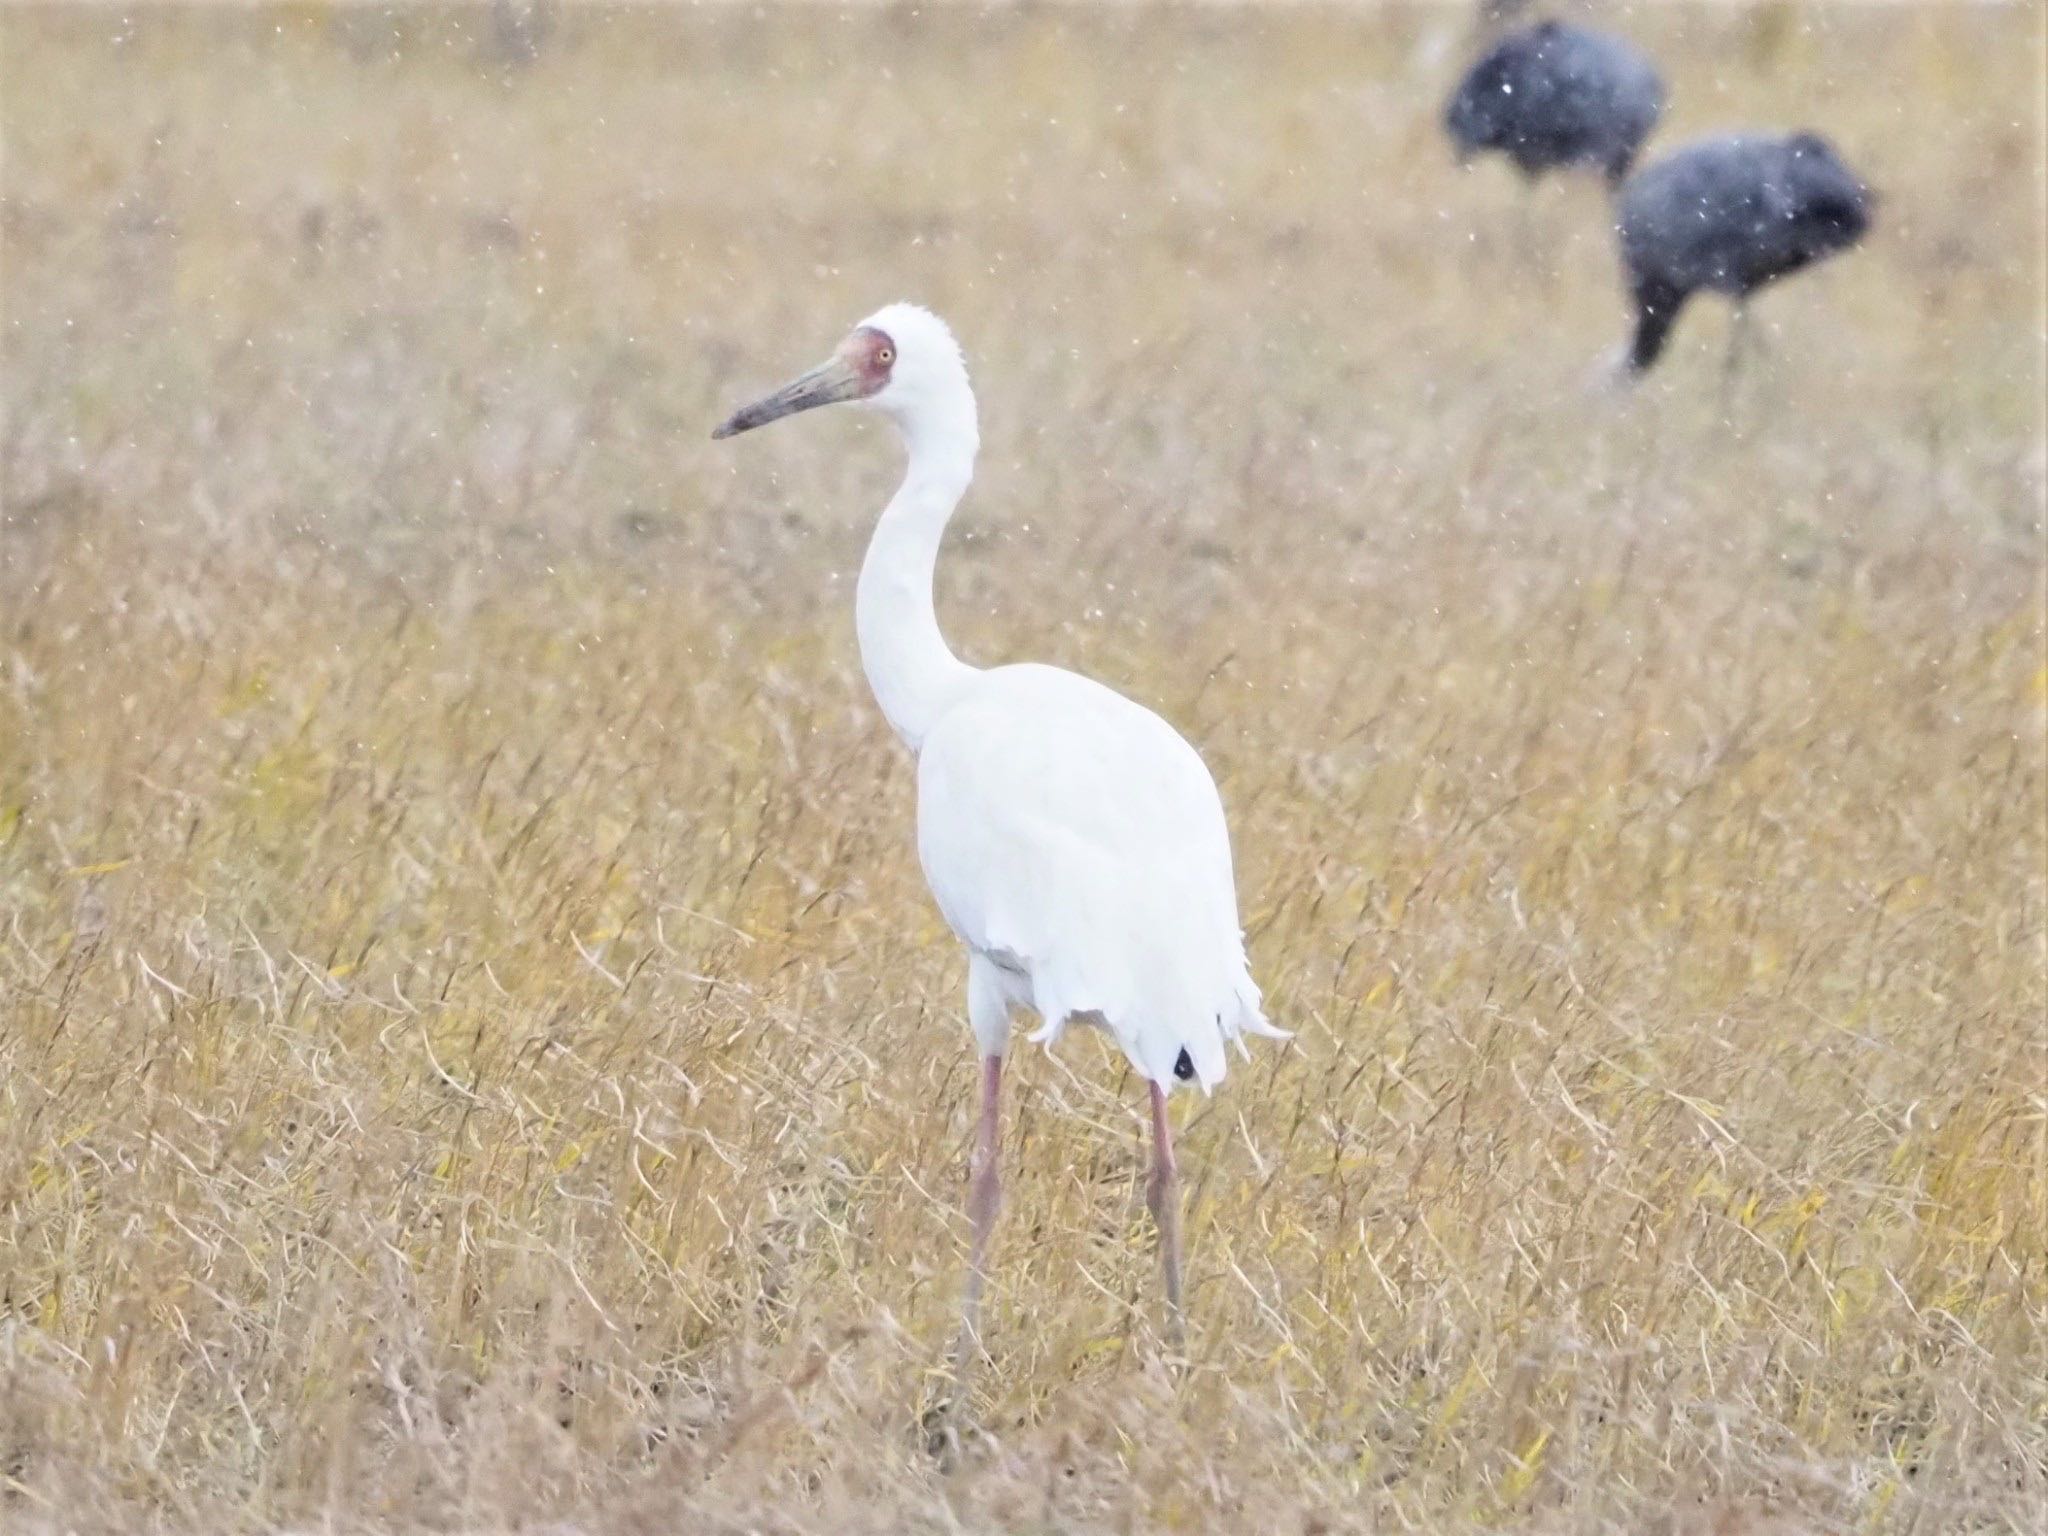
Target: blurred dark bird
{"x": 518, "y": 30}
{"x": 1731, "y": 214}
{"x": 1554, "y": 96}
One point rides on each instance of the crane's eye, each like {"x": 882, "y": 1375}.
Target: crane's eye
{"x": 885, "y": 355}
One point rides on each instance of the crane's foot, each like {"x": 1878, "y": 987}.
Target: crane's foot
{"x": 941, "y": 1434}
{"x": 949, "y": 1431}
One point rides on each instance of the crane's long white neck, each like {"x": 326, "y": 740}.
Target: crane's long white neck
{"x": 909, "y": 666}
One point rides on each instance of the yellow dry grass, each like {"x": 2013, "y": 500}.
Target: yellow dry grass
{"x": 475, "y": 1052}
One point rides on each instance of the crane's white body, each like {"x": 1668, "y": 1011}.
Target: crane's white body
{"x": 1076, "y": 845}
{"x": 1073, "y": 839}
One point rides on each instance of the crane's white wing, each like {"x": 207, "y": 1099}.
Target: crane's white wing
{"x": 1074, "y": 838}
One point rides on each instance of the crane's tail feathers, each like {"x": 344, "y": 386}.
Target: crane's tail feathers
{"x": 1049, "y": 1031}
{"x": 1251, "y": 1020}
{"x": 1251, "y": 1014}
{"x": 1176, "y": 1039}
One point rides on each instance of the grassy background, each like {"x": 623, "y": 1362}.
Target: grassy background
{"x": 475, "y": 1051}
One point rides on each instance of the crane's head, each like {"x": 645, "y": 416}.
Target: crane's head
{"x": 1832, "y": 206}
{"x": 902, "y": 360}
{"x": 1473, "y": 117}
{"x": 1493, "y": 105}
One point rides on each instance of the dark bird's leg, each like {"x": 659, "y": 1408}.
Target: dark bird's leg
{"x": 1537, "y": 253}
{"x": 1162, "y": 1196}
{"x": 1741, "y": 341}
{"x": 1657, "y": 305}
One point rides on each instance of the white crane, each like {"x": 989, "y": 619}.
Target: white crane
{"x": 1073, "y": 840}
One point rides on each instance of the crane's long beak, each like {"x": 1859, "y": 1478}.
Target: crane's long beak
{"x": 826, "y": 384}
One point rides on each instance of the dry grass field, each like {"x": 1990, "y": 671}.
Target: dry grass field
{"x": 476, "y": 1053}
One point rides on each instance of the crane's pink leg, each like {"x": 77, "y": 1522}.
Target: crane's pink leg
{"x": 984, "y": 1195}
{"x": 1162, "y": 1195}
